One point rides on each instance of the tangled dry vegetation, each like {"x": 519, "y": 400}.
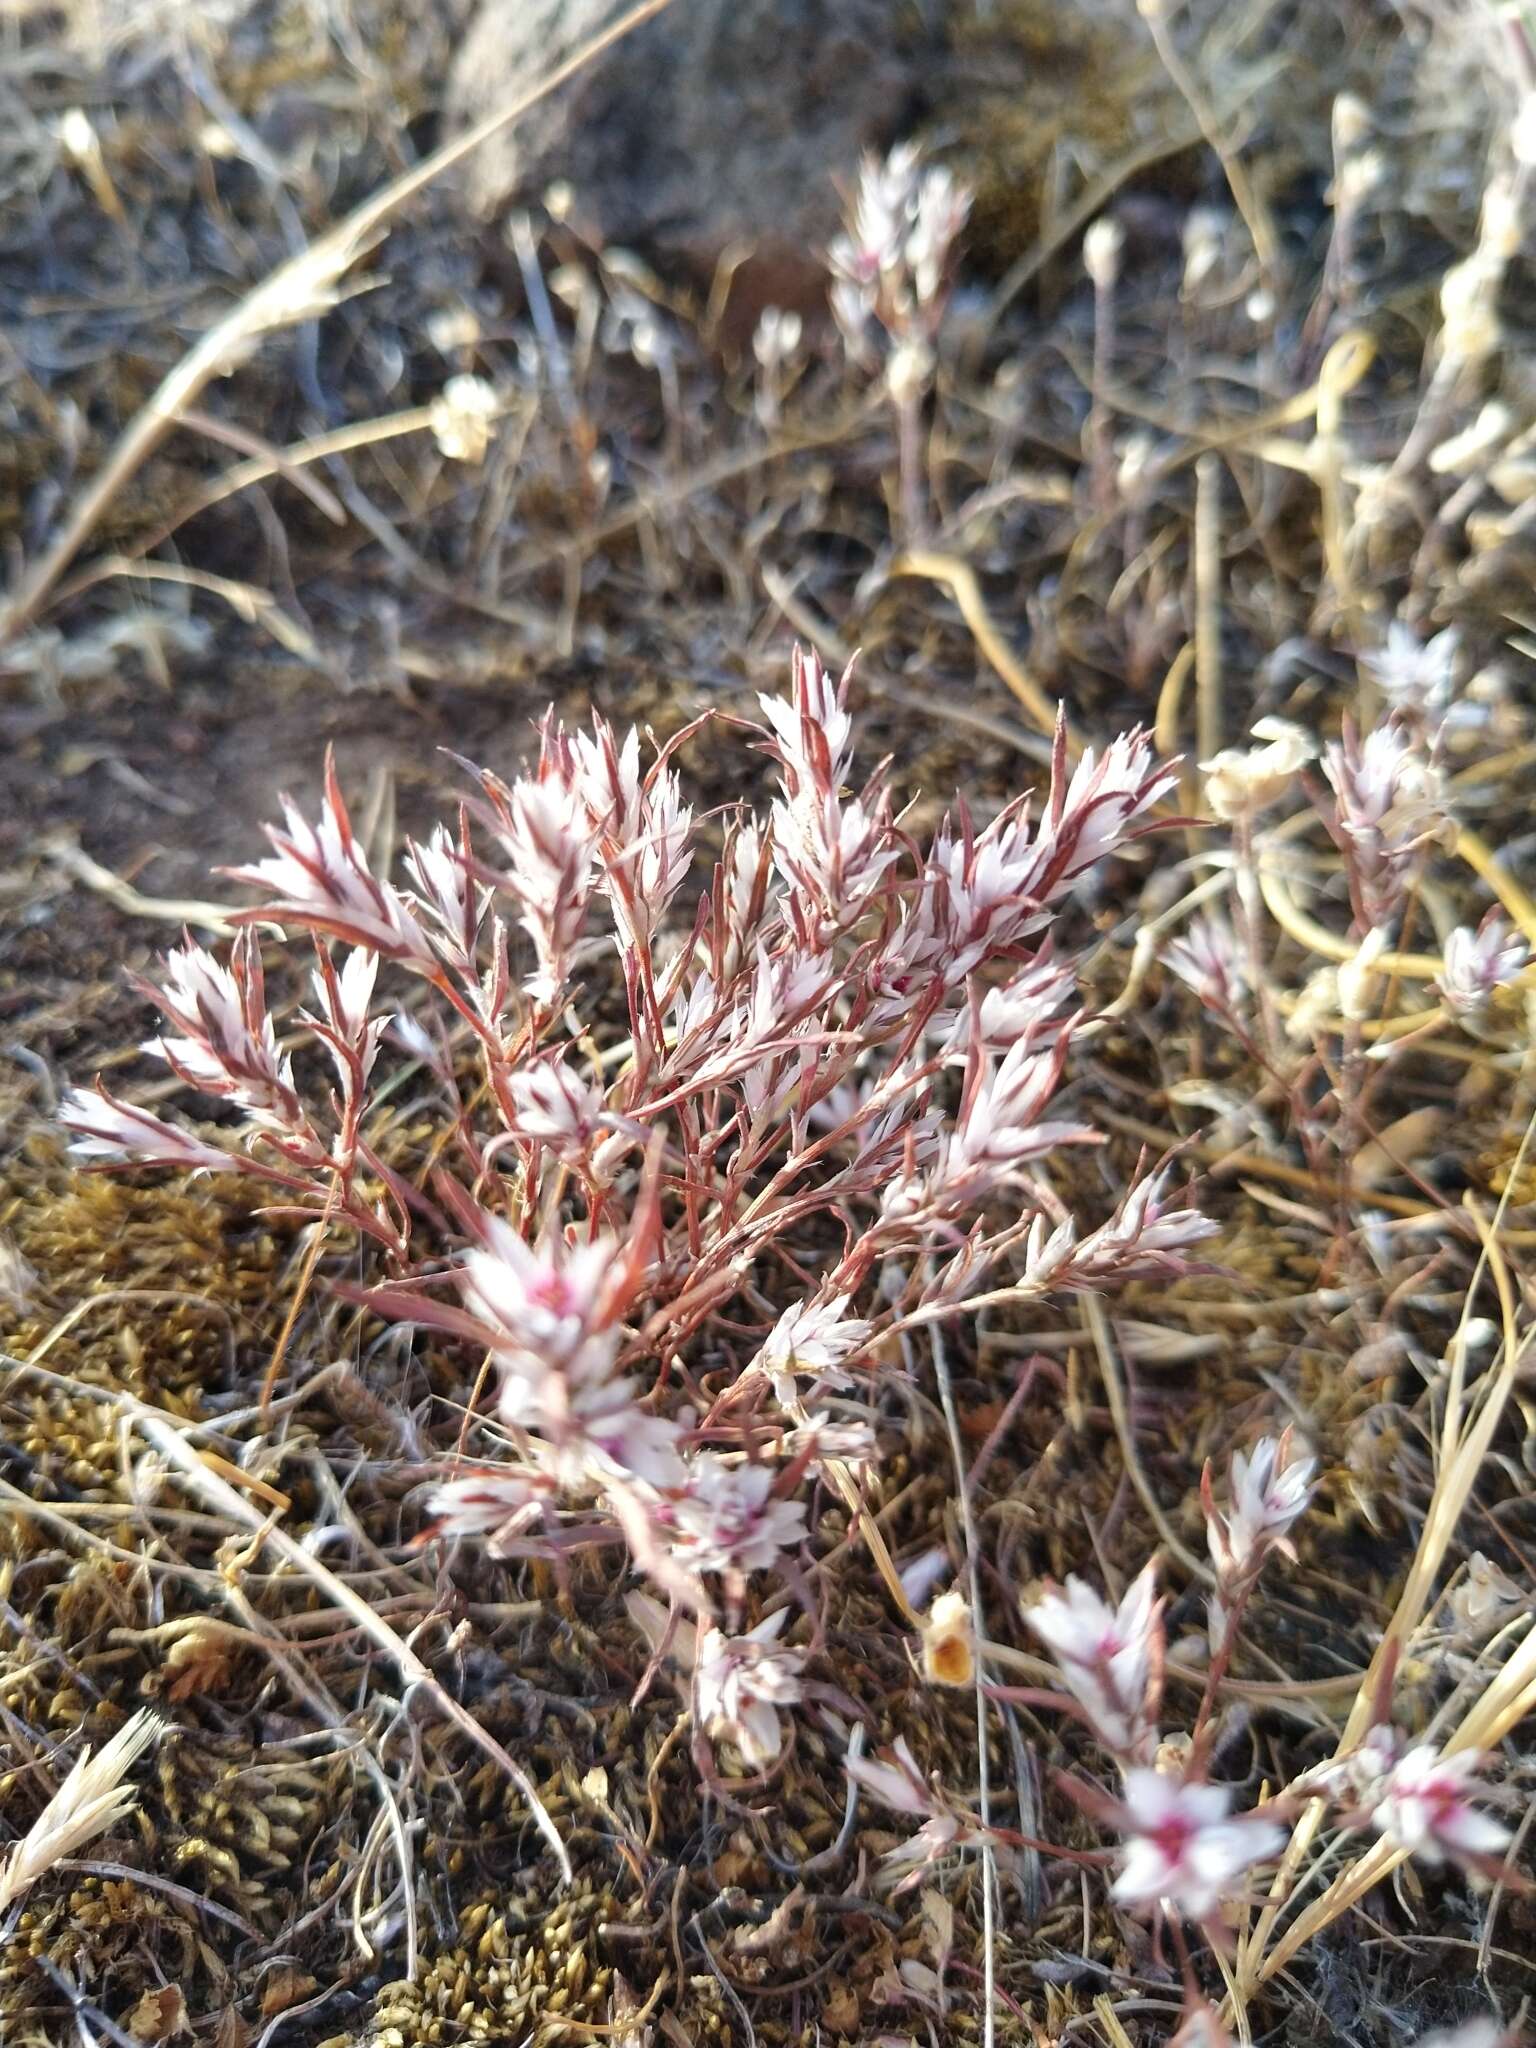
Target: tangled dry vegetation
{"x": 857, "y": 1369}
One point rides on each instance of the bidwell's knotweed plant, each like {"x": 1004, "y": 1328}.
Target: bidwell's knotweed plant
{"x": 690, "y": 1230}
{"x": 836, "y": 1059}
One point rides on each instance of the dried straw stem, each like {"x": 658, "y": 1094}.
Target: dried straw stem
{"x": 298, "y": 290}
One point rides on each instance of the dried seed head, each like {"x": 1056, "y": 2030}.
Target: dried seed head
{"x": 91, "y": 1799}
{"x": 1242, "y": 781}
{"x": 949, "y": 1642}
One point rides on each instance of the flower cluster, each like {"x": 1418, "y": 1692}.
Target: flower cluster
{"x": 890, "y": 266}
{"x": 1269, "y": 1491}
{"x": 1389, "y": 807}
{"x": 1183, "y": 1852}
{"x": 1419, "y": 1798}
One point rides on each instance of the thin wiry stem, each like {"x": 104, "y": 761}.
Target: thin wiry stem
{"x": 983, "y": 1764}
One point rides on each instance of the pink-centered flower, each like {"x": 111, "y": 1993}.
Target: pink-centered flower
{"x": 742, "y": 1682}
{"x": 548, "y": 1300}
{"x": 493, "y": 1505}
{"x": 1110, "y": 1658}
{"x": 1425, "y": 1804}
{"x": 1183, "y": 1849}
{"x": 728, "y": 1522}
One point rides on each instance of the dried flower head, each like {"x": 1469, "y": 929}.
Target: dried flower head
{"x": 949, "y": 1641}
{"x": 91, "y": 1799}
{"x": 1242, "y": 781}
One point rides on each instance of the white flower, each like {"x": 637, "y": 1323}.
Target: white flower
{"x": 726, "y": 1521}
{"x": 1268, "y": 1492}
{"x": 492, "y": 1505}
{"x": 776, "y": 337}
{"x": 1147, "y": 1234}
{"x": 1207, "y": 956}
{"x": 812, "y": 1339}
{"x": 1412, "y": 674}
{"x": 1183, "y": 1851}
{"x": 1475, "y": 963}
{"x": 1025, "y": 1009}
{"x": 555, "y": 1106}
{"x": 1002, "y": 1122}
{"x": 549, "y": 839}
{"x": 742, "y": 1682}
{"x": 811, "y": 724}
{"x": 447, "y": 894}
{"x": 462, "y": 416}
{"x": 1048, "y": 1254}
{"x": 318, "y": 875}
{"x": 550, "y": 1300}
{"x": 1106, "y": 1657}
{"x": 1424, "y": 1805}
{"x": 343, "y": 1021}
{"x": 822, "y": 1442}
{"x": 1241, "y": 781}
{"x": 228, "y": 1046}
{"x": 1101, "y": 250}
{"x": 900, "y": 1785}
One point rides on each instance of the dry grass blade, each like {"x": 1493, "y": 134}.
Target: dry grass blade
{"x": 1465, "y": 1439}
{"x": 224, "y": 1499}
{"x": 91, "y": 1799}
